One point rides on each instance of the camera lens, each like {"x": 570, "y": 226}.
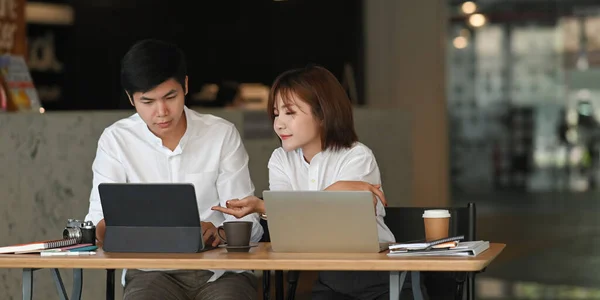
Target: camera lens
{"x": 70, "y": 233}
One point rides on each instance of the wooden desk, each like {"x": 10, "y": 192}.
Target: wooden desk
{"x": 259, "y": 258}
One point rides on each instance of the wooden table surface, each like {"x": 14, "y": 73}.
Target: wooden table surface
{"x": 259, "y": 258}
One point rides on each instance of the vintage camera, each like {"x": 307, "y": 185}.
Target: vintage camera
{"x": 84, "y": 232}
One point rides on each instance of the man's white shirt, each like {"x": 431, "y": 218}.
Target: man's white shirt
{"x": 210, "y": 155}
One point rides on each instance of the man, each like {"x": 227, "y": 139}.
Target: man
{"x": 167, "y": 142}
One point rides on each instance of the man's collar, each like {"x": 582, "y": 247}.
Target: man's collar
{"x": 158, "y": 141}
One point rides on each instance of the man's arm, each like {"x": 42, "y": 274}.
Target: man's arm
{"x": 278, "y": 181}
{"x": 234, "y": 180}
{"x": 107, "y": 169}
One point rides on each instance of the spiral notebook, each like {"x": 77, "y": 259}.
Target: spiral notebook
{"x": 41, "y": 245}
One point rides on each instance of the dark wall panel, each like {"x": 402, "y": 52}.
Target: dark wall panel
{"x": 244, "y": 41}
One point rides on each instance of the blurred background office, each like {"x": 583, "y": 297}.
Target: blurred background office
{"x": 495, "y": 102}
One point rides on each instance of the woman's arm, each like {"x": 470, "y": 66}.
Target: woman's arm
{"x": 242, "y": 207}
{"x": 349, "y": 185}
{"x": 359, "y": 171}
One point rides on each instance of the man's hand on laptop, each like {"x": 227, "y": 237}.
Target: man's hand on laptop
{"x": 242, "y": 207}
{"x": 360, "y": 186}
{"x": 100, "y": 230}
{"x": 209, "y": 234}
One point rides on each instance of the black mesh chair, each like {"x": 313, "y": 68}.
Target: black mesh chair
{"x": 406, "y": 223}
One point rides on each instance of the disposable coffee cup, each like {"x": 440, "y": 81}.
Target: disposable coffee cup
{"x": 437, "y": 222}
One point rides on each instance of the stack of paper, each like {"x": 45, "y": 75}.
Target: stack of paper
{"x": 461, "y": 249}
{"x": 436, "y": 244}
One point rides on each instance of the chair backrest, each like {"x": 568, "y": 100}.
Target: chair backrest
{"x": 266, "y": 237}
{"x": 406, "y": 223}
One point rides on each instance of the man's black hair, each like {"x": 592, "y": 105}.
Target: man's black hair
{"x": 151, "y": 62}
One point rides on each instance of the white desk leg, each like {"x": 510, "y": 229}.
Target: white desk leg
{"x": 77, "y": 284}
{"x": 27, "y": 284}
{"x": 415, "y": 278}
{"x": 396, "y": 283}
{"x": 60, "y": 287}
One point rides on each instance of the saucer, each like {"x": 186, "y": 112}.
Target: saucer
{"x": 238, "y": 248}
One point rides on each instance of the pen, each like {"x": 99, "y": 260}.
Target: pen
{"x": 69, "y": 253}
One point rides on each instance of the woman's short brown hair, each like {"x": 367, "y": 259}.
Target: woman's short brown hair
{"x": 325, "y": 95}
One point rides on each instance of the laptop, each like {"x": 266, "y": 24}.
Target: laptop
{"x": 322, "y": 222}
{"x": 151, "y": 217}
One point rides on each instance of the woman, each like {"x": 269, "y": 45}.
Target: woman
{"x": 312, "y": 115}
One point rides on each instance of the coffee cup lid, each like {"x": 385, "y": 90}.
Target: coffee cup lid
{"x": 436, "y": 213}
